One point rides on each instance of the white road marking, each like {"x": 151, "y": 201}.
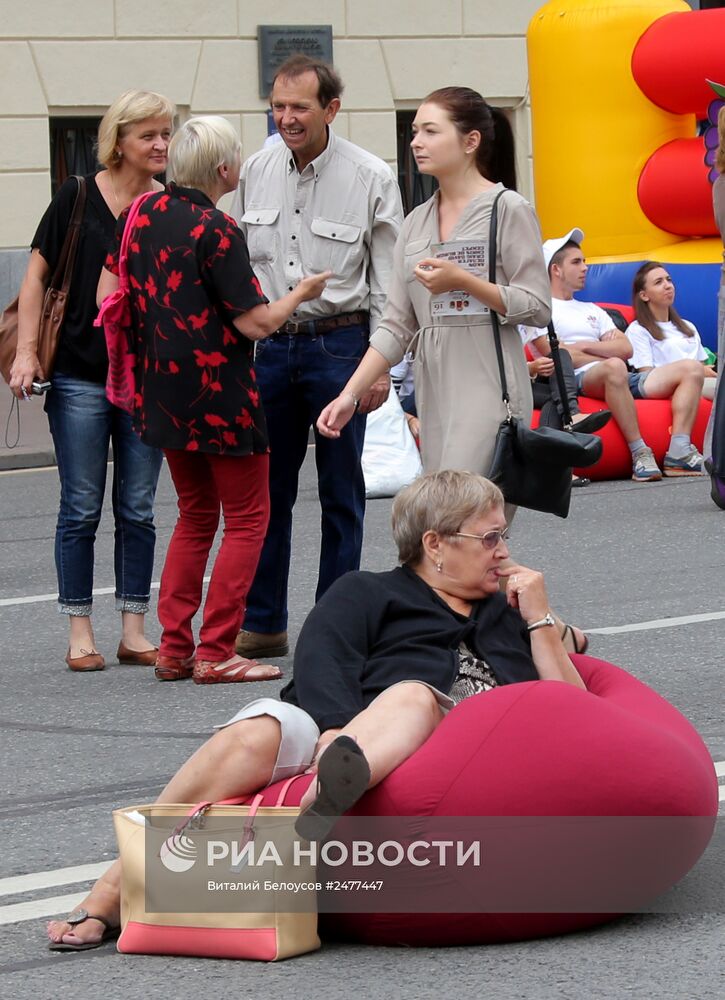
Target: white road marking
{"x": 656, "y": 623}
{"x": 9, "y": 602}
{"x": 17, "y": 472}
{"x": 53, "y": 906}
{"x": 48, "y": 879}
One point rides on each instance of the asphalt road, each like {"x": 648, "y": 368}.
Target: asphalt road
{"x": 75, "y": 746}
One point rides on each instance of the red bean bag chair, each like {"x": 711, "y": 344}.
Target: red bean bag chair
{"x": 654, "y": 417}
{"x": 566, "y": 758}
{"x": 655, "y": 421}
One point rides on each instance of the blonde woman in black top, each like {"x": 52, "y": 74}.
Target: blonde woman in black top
{"x": 133, "y": 138}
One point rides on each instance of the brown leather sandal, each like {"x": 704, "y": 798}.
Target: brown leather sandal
{"x": 231, "y": 671}
{"x": 172, "y": 668}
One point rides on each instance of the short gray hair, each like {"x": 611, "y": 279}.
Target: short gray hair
{"x": 199, "y": 148}
{"x": 442, "y": 502}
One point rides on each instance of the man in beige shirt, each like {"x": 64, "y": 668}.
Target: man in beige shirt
{"x": 312, "y": 203}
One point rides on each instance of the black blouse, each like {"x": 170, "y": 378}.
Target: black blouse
{"x": 82, "y": 347}
{"x": 190, "y": 276}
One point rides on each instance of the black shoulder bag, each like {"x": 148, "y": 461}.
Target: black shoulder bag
{"x": 533, "y": 468}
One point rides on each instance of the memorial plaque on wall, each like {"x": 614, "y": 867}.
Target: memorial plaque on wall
{"x": 277, "y": 42}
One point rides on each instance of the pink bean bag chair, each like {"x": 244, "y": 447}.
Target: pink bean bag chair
{"x": 543, "y": 750}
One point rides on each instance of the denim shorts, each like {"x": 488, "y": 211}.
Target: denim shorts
{"x": 636, "y": 384}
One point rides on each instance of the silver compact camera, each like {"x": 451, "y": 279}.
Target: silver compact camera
{"x": 39, "y": 388}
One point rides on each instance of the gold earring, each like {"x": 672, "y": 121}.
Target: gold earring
{"x": 439, "y": 566}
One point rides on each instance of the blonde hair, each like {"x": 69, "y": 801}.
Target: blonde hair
{"x": 199, "y": 148}
{"x": 130, "y": 108}
{"x": 720, "y": 155}
{"x": 441, "y": 502}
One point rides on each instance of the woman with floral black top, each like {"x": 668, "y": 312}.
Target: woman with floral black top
{"x": 197, "y": 308}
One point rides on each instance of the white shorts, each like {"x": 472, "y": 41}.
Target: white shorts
{"x": 299, "y": 734}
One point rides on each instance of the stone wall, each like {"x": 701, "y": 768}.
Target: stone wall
{"x": 75, "y": 57}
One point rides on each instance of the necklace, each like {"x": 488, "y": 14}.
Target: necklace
{"x": 115, "y": 196}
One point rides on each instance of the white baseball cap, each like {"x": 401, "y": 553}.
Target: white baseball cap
{"x": 551, "y": 246}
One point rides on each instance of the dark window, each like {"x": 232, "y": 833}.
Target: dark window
{"x": 72, "y": 148}
{"x": 414, "y": 186}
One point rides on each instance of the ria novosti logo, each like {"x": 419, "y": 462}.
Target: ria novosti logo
{"x": 178, "y": 853}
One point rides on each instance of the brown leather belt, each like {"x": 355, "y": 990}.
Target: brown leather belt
{"x": 325, "y": 323}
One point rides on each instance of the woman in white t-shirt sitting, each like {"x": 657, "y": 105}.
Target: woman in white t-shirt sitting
{"x": 661, "y": 339}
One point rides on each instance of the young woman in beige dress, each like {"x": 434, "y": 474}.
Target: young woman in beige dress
{"x": 468, "y": 147}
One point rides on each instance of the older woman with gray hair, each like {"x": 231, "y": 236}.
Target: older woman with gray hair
{"x": 197, "y": 309}
{"x": 380, "y": 660}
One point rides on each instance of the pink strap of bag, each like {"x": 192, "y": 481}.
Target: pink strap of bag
{"x": 115, "y": 318}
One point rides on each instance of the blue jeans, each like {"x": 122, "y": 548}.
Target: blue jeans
{"x": 82, "y": 423}
{"x": 298, "y": 375}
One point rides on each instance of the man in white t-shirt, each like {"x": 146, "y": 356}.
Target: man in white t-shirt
{"x": 600, "y": 353}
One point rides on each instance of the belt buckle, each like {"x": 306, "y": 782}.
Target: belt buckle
{"x": 292, "y": 326}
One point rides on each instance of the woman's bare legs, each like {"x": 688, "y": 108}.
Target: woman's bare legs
{"x": 391, "y": 729}
{"x": 240, "y": 759}
{"x": 236, "y": 760}
{"x": 132, "y": 632}
{"x": 81, "y": 641}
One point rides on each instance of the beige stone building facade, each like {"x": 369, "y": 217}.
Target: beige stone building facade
{"x": 71, "y": 58}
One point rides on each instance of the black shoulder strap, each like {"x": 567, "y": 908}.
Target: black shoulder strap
{"x": 492, "y": 238}
{"x": 554, "y": 345}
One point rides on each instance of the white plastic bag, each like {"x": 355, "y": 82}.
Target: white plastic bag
{"x": 390, "y": 457}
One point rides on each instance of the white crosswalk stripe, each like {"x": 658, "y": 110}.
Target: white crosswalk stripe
{"x": 53, "y": 906}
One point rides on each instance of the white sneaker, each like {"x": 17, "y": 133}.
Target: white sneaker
{"x": 644, "y": 467}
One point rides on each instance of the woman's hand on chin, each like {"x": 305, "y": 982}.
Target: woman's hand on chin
{"x": 526, "y": 591}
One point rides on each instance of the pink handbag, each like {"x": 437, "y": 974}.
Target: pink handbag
{"x": 115, "y": 318}
{"x": 156, "y": 920}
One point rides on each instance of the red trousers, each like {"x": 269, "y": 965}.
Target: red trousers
{"x": 207, "y": 486}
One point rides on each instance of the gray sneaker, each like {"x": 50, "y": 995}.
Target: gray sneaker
{"x": 689, "y": 465}
{"x": 253, "y": 644}
{"x": 644, "y": 467}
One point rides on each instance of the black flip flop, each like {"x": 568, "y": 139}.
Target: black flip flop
{"x": 343, "y": 776}
{"x": 569, "y": 631}
{"x": 108, "y": 933}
